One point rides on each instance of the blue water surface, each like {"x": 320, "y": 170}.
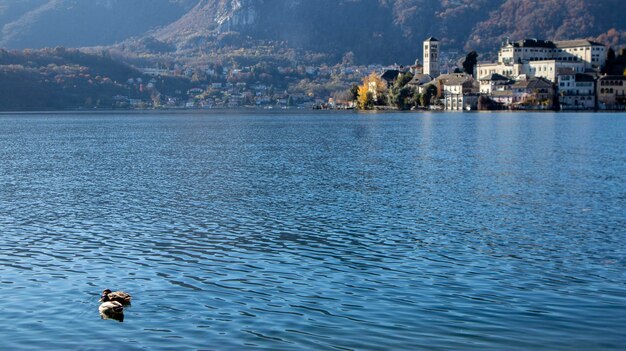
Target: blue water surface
{"x": 325, "y": 231}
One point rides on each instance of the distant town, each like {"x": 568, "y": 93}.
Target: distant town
{"x": 529, "y": 74}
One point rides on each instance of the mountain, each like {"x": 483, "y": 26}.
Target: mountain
{"x": 372, "y": 30}
{"x": 392, "y": 30}
{"x": 76, "y": 23}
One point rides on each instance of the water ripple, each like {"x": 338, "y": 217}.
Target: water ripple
{"x": 329, "y": 232}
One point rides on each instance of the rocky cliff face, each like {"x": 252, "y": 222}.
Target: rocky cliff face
{"x": 241, "y": 14}
{"x": 212, "y": 16}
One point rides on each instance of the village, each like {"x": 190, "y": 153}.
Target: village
{"x": 529, "y": 74}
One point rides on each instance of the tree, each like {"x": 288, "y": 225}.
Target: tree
{"x": 429, "y": 94}
{"x": 610, "y": 61}
{"x": 354, "y": 91}
{"x": 416, "y": 99}
{"x": 402, "y": 80}
{"x": 401, "y": 100}
{"x": 470, "y": 62}
{"x": 399, "y": 92}
{"x": 366, "y": 99}
{"x": 610, "y": 55}
{"x": 372, "y": 91}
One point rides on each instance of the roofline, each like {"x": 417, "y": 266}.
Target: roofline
{"x": 566, "y": 43}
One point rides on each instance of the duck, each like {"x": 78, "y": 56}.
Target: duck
{"x": 112, "y": 310}
{"x": 117, "y": 296}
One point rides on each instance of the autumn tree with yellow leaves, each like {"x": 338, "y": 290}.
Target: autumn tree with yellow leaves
{"x": 372, "y": 92}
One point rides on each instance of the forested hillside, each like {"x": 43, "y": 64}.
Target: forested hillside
{"x": 373, "y": 30}
{"x": 54, "y": 79}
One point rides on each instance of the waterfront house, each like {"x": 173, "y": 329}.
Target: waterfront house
{"x": 576, "y": 91}
{"x": 504, "y": 98}
{"x": 459, "y": 91}
{"x": 494, "y": 82}
{"x": 611, "y": 92}
{"x": 534, "y": 93}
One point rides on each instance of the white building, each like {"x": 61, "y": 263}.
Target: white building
{"x": 494, "y": 82}
{"x": 542, "y": 58}
{"x": 592, "y": 54}
{"x": 548, "y": 68}
{"x": 459, "y": 91}
{"x": 431, "y": 57}
{"x": 576, "y": 91}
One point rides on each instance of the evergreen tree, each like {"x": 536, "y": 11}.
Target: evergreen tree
{"x": 354, "y": 92}
{"x": 470, "y": 62}
{"x": 610, "y": 61}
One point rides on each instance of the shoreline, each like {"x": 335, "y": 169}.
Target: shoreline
{"x": 287, "y": 111}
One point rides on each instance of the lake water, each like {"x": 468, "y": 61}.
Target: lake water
{"x": 324, "y": 231}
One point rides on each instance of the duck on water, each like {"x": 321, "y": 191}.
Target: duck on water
{"x": 118, "y": 296}
{"x": 112, "y": 304}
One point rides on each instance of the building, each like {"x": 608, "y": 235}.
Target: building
{"x": 548, "y": 68}
{"x": 494, "y": 82}
{"x": 389, "y": 76}
{"x": 417, "y": 68}
{"x": 497, "y": 89}
{"x": 419, "y": 80}
{"x": 502, "y": 97}
{"x": 611, "y": 92}
{"x": 576, "y": 90}
{"x": 431, "y": 57}
{"x": 543, "y": 58}
{"x": 534, "y": 93}
{"x": 592, "y": 54}
{"x": 459, "y": 91}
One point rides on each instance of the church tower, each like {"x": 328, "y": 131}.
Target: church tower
{"x": 431, "y": 57}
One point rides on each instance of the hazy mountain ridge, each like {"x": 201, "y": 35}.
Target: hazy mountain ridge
{"x": 76, "y": 23}
{"x": 374, "y": 30}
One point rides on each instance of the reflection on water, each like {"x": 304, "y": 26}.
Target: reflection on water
{"x": 117, "y": 316}
{"x": 321, "y": 231}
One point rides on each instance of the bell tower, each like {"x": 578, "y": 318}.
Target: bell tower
{"x": 431, "y": 57}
